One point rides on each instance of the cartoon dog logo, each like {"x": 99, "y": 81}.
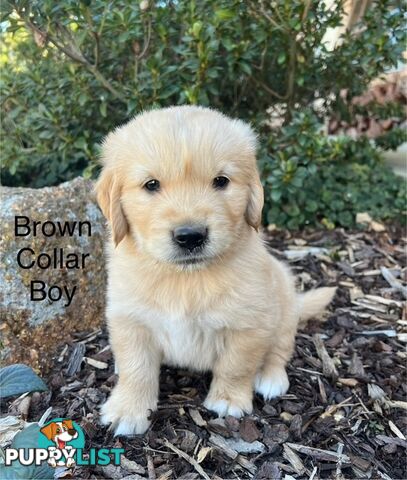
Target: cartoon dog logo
{"x": 61, "y": 433}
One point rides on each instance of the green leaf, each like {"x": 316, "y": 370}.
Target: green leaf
{"x": 300, "y": 81}
{"x": 81, "y": 143}
{"x": 196, "y": 28}
{"x": 103, "y": 109}
{"x": 246, "y": 68}
{"x": 224, "y": 14}
{"x": 311, "y": 206}
{"x": 292, "y": 210}
{"x": 18, "y": 379}
{"x": 276, "y": 195}
{"x": 82, "y": 99}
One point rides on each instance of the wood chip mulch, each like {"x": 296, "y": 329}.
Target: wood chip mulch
{"x": 344, "y": 415}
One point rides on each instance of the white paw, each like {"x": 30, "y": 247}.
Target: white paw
{"x": 132, "y": 426}
{"x": 124, "y": 424}
{"x": 224, "y": 408}
{"x": 272, "y": 386}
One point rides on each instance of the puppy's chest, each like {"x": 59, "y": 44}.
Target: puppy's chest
{"x": 187, "y": 341}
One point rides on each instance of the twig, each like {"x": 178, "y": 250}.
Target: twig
{"x": 306, "y": 10}
{"x": 313, "y": 473}
{"x": 150, "y": 468}
{"x": 325, "y": 455}
{"x": 293, "y": 459}
{"x": 387, "y": 333}
{"x": 396, "y": 430}
{"x": 383, "y": 475}
{"x": 271, "y": 19}
{"x": 292, "y": 70}
{"x": 221, "y": 443}
{"x": 332, "y": 408}
{"x": 189, "y": 459}
{"x": 73, "y": 52}
{"x": 328, "y": 366}
{"x": 362, "y": 404}
{"x": 268, "y": 89}
{"x": 246, "y": 464}
{"x": 146, "y": 42}
{"x": 392, "y": 281}
{"x": 138, "y": 57}
{"x": 338, "y": 474}
{"x": 96, "y": 49}
{"x": 44, "y": 417}
{"x": 322, "y": 391}
{"x": 307, "y": 370}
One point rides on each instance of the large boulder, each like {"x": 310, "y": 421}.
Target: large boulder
{"x": 52, "y": 275}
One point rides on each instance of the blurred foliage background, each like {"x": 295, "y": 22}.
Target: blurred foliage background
{"x": 73, "y": 70}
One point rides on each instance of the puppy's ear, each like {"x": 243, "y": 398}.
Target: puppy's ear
{"x": 108, "y": 193}
{"x": 68, "y": 424}
{"x": 49, "y": 431}
{"x": 255, "y": 202}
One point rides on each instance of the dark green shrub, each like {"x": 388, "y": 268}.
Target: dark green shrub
{"x": 313, "y": 180}
{"x": 71, "y": 71}
{"x": 392, "y": 139}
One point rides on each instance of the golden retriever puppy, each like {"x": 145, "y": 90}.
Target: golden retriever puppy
{"x": 191, "y": 283}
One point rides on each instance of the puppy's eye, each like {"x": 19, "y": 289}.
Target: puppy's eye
{"x": 152, "y": 185}
{"x": 220, "y": 182}
{"x": 58, "y": 430}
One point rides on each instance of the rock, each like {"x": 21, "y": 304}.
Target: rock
{"x": 58, "y": 286}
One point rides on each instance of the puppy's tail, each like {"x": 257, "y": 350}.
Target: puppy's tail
{"x": 313, "y": 303}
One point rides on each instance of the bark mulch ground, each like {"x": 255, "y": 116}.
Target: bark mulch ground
{"x": 344, "y": 415}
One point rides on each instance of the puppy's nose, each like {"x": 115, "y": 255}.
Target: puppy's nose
{"x": 71, "y": 431}
{"x": 190, "y": 236}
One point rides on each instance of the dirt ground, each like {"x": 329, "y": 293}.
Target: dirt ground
{"x": 344, "y": 414}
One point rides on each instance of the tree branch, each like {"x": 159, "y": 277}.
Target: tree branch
{"x": 268, "y": 89}
{"x": 73, "y": 52}
{"x": 146, "y": 41}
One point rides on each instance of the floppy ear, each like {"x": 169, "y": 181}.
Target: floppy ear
{"x": 49, "y": 431}
{"x": 255, "y": 202}
{"x": 108, "y": 193}
{"x": 68, "y": 424}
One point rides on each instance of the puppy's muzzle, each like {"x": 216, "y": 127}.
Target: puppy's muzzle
{"x": 190, "y": 237}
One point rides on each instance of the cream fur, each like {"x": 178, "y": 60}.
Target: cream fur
{"x": 236, "y": 310}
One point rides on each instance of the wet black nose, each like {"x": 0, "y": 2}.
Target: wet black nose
{"x": 71, "y": 431}
{"x": 190, "y": 236}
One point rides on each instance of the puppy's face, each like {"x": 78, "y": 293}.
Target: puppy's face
{"x": 182, "y": 182}
{"x": 60, "y": 432}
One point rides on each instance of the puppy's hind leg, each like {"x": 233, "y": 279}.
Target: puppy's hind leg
{"x": 272, "y": 380}
{"x": 231, "y": 390}
{"x": 136, "y": 393}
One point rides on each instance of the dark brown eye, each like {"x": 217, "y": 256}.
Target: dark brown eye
{"x": 220, "y": 182}
{"x": 152, "y": 185}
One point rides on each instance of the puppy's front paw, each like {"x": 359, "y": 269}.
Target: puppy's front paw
{"x": 272, "y": 385}
{"x": 224, "y": 407}
{"x": 125, "y": 420}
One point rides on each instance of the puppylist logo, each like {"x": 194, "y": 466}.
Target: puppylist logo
{"x": 61, "y": 442}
